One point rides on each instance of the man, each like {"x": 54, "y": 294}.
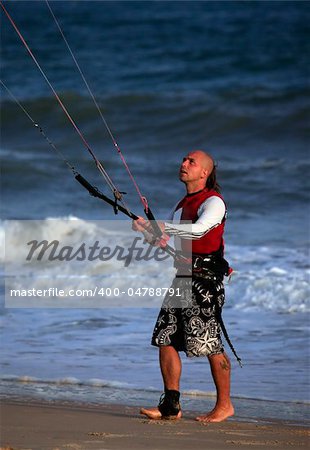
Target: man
{"x": 194, "y": 328}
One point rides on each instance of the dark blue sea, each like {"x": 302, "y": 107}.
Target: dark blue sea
{"x": 231, "y": 78}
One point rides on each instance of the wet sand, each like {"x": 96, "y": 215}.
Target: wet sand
{"x": 57, "y": 426}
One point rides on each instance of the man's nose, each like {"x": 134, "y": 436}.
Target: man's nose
{"x": 184, "y": 164}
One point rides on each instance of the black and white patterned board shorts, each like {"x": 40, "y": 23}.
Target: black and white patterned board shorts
{"x": 189, "y": 322}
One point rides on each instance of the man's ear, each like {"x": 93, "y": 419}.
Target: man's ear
{"x": 205, "y": 173}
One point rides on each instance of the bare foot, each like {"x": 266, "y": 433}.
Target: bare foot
{"x": 155, "y": 414}
{"x": 217, "y": 415}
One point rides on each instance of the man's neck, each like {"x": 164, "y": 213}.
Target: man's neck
{"x": 191, "y": 188}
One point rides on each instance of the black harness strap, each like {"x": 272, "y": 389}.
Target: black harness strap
{"x": 221, "y": 322}
{"x": 218, "y": 268}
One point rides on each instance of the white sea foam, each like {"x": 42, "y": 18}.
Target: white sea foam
{"x": 269, "y": 278}
{"x": 69, "y": 380}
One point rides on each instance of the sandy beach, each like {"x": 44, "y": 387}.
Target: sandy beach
{"x": 44, "y": 426}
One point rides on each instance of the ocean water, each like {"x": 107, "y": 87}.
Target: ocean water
{"x": 228, "y": 77}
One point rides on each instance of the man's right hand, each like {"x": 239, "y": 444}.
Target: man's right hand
{"x": 140, "y": 224}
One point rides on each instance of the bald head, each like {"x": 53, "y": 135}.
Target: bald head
{"x": 204, "y": 159}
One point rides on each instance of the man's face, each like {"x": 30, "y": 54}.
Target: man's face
{"x": 192, "y": 168}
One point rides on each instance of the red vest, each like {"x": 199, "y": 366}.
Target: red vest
{"x": 213, "y": 240}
